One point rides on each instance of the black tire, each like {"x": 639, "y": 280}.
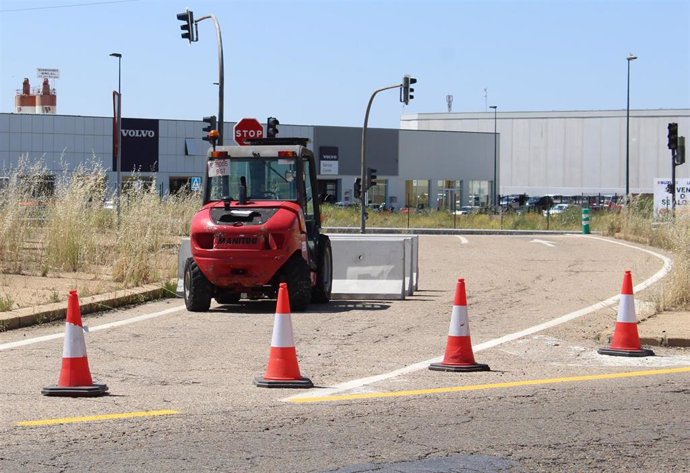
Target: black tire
{"x": 226, "y": 297}
{"x": 197, "y": 289}
{"x": 296, "y": 274}
{"x": 321, "y": 293}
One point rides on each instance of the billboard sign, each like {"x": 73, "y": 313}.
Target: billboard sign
{"x": 328, "y": 160}
{"x": 662, "y": 198}
{"x": 47, "y": 73}
{"x": 139, "y": 145}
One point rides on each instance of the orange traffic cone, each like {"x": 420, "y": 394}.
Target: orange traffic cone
{"x": 283, "y": 370}
{"x": 75, "y": 377}
{"x": 626, "y": 341}
{"x": 459, "y": 356}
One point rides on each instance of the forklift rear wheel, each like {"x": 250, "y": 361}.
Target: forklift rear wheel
{"x": 197, "y": 289}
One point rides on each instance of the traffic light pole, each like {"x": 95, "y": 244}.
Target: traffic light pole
{"x": 221, "y": 79}
{"x": 677, "y": 158}
{"x": 363, "y": 164}
{"x": 673, "y": 182}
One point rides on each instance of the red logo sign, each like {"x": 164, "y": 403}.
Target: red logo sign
{"x": 247, "y": 129}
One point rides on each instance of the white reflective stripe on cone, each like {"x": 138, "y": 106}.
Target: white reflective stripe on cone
{"x": 626, "y": 309}
{"x": 459, "y": 325}
{"x": 282, "y": 331}
{"x": 74, "y": 346}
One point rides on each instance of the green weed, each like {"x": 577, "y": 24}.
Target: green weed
{"x": 6, "y": 303}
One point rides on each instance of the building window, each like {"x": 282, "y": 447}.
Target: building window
{"x": 377, "y": 193}
{"x": 479, "y": 193}
{"x": 40, "y": 186}
{"x": 137, "y": 183}
{"x": 417, "y": 193}
{"x": 184, "y": 184}
{"x": 448, "y": 195}
{"x": 328, "y": 190}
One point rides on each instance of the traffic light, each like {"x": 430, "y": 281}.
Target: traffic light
{"x": 211, "y": 126}
{"x": 187, "y": 27}
{"x": 371, "y": 177}
{"x": 669, "y": 188}
{"x": 679, "y": 158}
{"x": 358, "y": 188}
{"x": 272, "y": 127}
{"x": 406, "y": 91}
{"x": 672, "y": 136}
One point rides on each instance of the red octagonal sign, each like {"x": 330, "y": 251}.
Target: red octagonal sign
{"x": 247, "y": 129}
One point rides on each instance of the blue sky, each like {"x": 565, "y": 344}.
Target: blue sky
{"x": 317, "y": 62}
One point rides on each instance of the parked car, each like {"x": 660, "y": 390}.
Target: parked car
{"x": 539, "y": 204}
{"x": 467, "y": 210}
{"x": 513, "y": 202}
{"x": 556, "y": 209}
{"x": 377, "y": 207}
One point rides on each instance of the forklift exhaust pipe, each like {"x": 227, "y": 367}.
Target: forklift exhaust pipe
{"x": 243, "y": 190}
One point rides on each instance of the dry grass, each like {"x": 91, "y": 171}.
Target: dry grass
{"x": 570, "y": 220}
{"x": 71, "y": 232}
{"x": 637, "y": 224}
{"x": 149, "y": 227}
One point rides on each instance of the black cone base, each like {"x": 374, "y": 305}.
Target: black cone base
{"x": 619, "y": 352}
{"x": 76, "y": 391}
{"x": 459, "y": 368}
{"x": 303, "y": 383}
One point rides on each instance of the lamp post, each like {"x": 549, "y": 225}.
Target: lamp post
{"x": 495, "y": 196}
{"x": 631, "y": 57}
{"x": 119, "y": 135}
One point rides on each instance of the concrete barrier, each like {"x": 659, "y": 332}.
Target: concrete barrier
{"x": 380, "y": 266}
{"x": 411, "y": 253}
{"x": 184, "y": 253}
{"x": 369, "y": 268}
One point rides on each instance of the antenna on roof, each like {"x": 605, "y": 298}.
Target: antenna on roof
{"x": 449, "y": 102}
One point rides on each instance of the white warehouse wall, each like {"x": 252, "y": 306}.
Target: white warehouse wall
{"x": 571, "y": 152}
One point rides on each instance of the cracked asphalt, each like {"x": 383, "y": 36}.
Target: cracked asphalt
{"x": 201, "y": 367}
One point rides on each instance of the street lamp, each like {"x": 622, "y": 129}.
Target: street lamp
{"x": 495, "y": 196}
{"x": 119, "y": 134}
{"x": 631, "y": 57}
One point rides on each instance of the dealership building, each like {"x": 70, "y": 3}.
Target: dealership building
{"x": 413, "y": 168}
{"x": 435, "y": 160}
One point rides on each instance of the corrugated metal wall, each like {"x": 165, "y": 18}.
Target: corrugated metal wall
{"x": 571, "y": 152}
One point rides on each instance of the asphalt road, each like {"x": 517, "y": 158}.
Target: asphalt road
{"x": 183, "y": 381}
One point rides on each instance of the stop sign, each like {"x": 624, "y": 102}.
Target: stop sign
{"x": 247, "y": 129}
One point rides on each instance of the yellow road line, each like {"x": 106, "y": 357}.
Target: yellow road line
{"x": 72, "y": 420}
{"x": 478, "y": 387}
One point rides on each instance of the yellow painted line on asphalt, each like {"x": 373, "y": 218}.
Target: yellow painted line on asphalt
{"x": 73, "y": 420}
{"x": 478, "y": 387}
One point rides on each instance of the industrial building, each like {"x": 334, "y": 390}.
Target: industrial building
{"x": 436, "y": 160}
{"x": 571, "y": 153}
{"x": 437, "y": 169}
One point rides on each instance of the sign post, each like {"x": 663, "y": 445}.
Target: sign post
{"x": 585, "y": 221}
{"x": 664, "y": 190}
{"x": 247, "y": 129}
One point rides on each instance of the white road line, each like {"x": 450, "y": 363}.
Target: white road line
{"x": 543, "y": 242}
{"x": 463, "y": 240}
{"x": 45, "y": 338}
{"x": 358, "y": 383}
